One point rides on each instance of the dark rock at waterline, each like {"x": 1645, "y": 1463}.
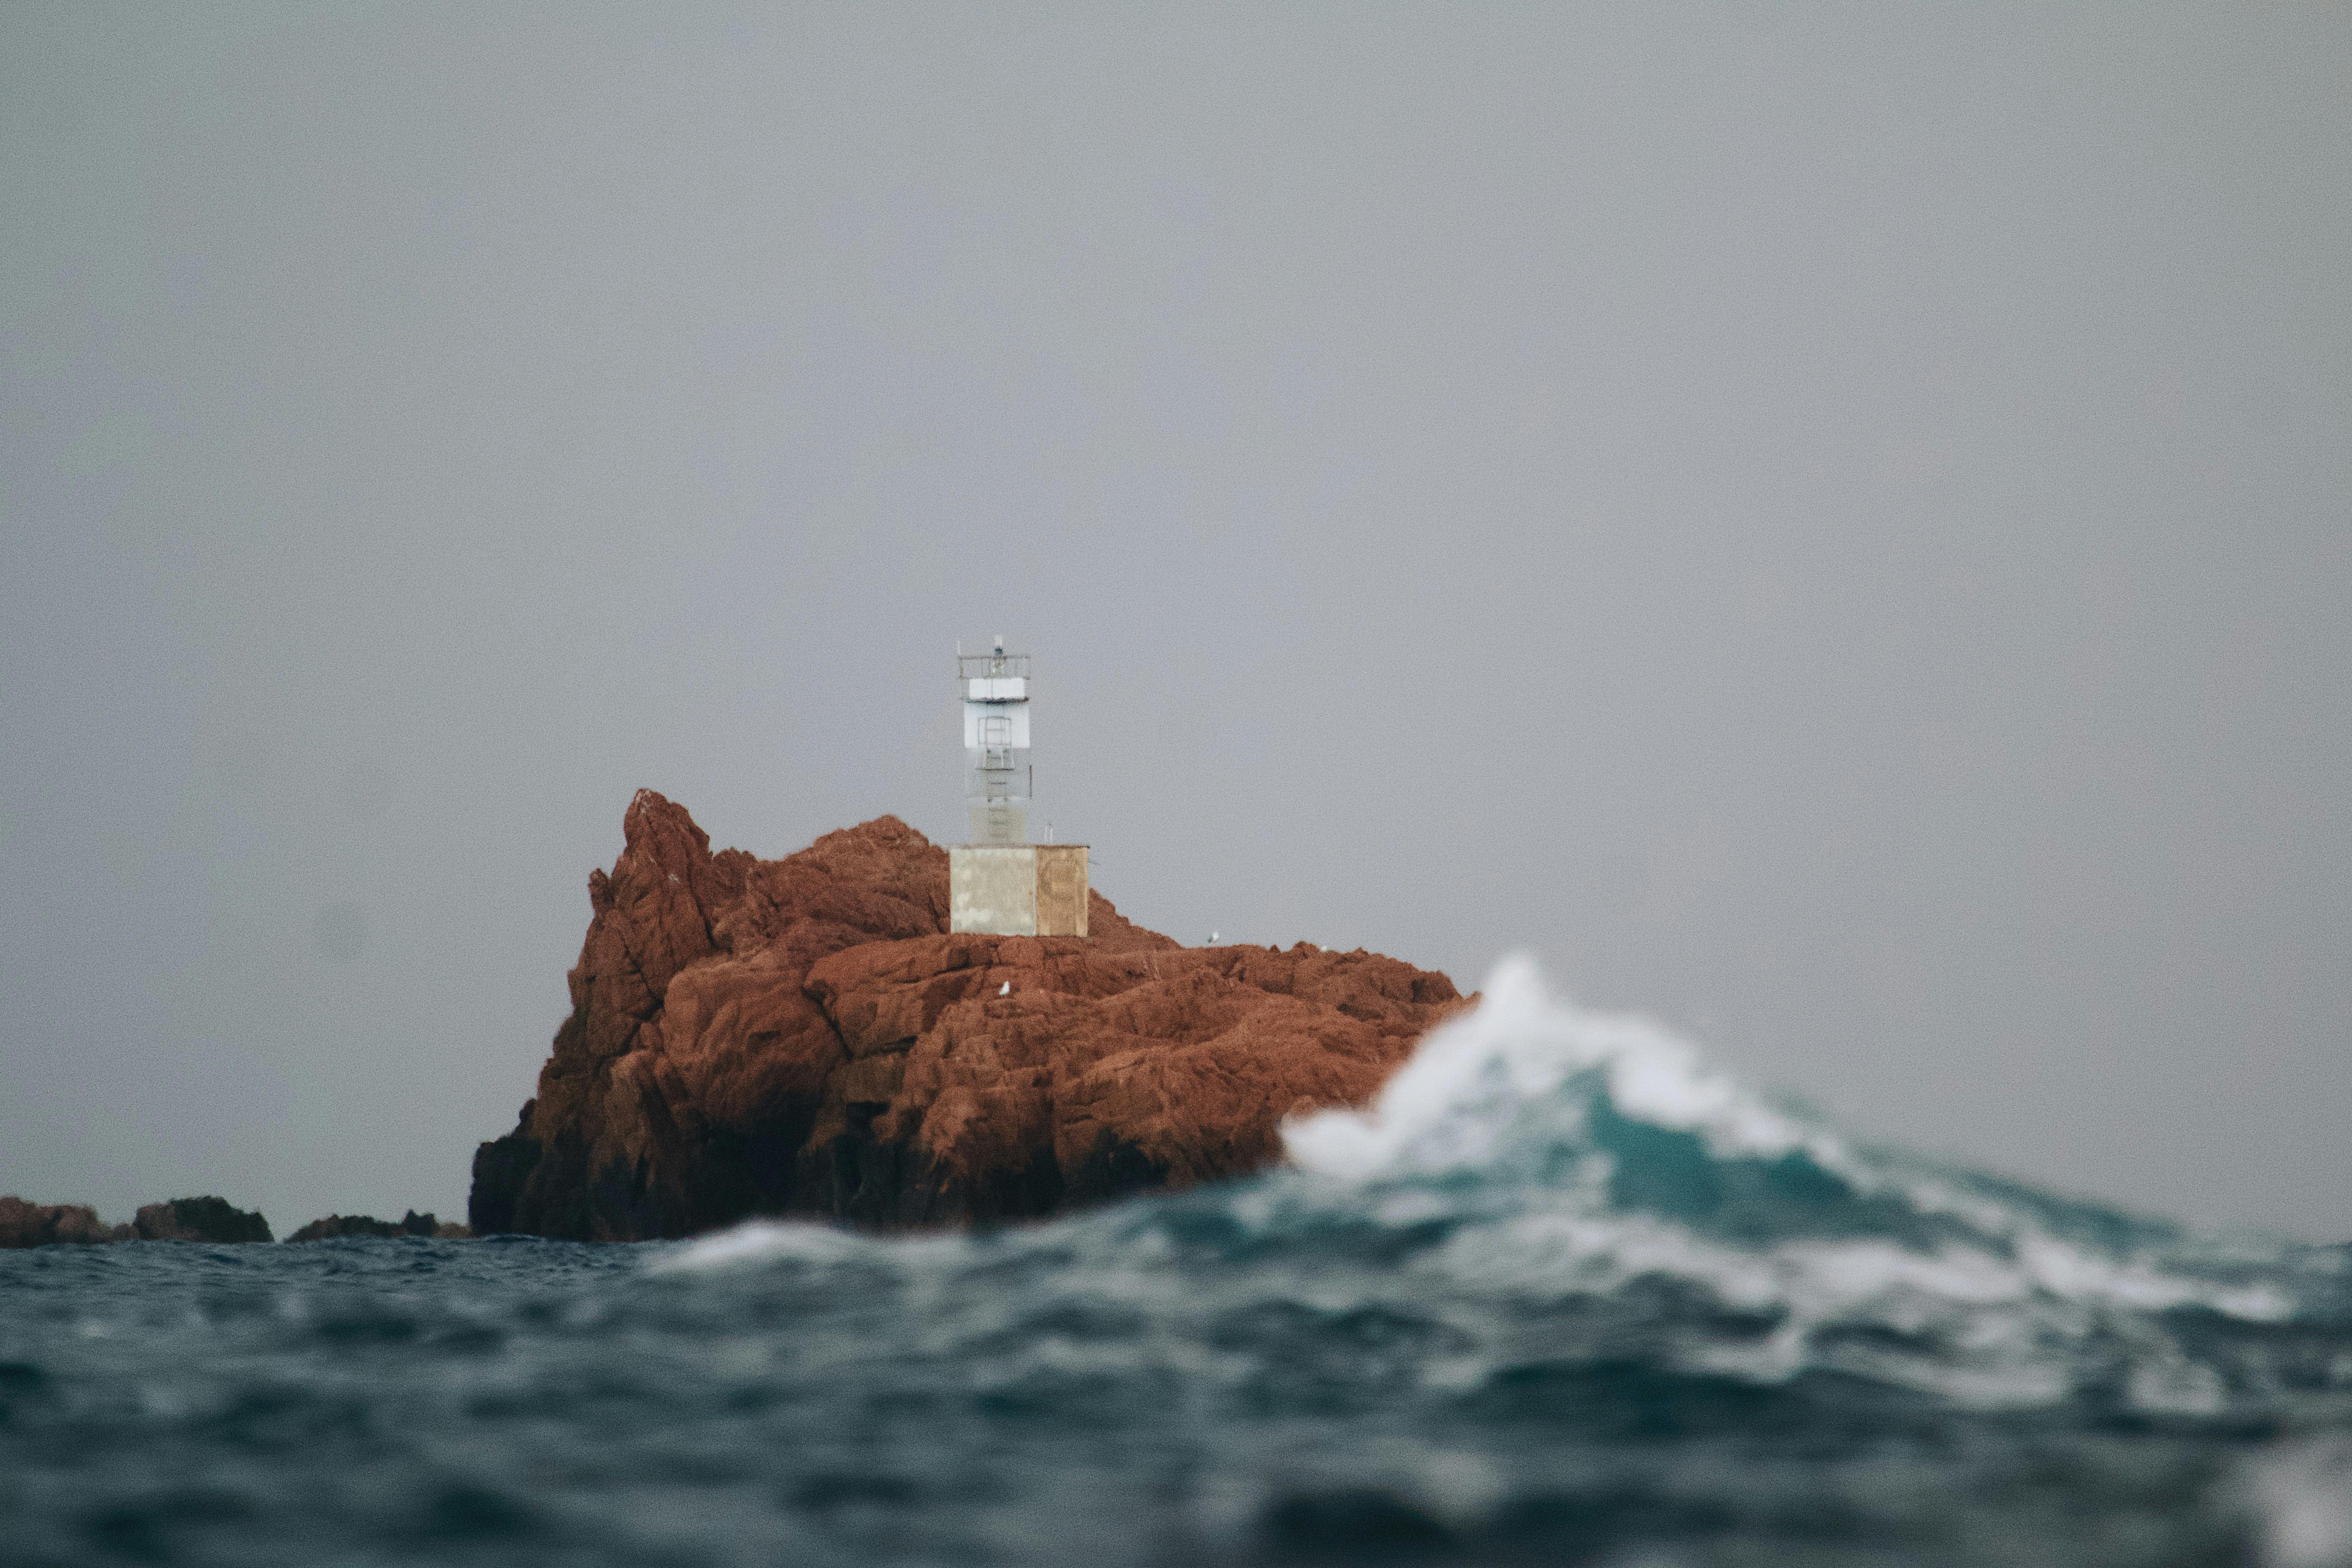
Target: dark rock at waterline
{"x": 26, "y": 1224}
{"x": 805, "y": 1036}
{"x": 206, "y": 1219}
{"x": 412, "y": 1224}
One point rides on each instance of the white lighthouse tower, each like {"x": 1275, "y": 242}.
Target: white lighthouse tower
{"x": 1001, "y": 883}
{"x": 997, "y": 774}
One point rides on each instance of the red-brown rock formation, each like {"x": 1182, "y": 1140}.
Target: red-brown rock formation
{"x": 206, "y": 1219}
{"x": 49, "y": 1225}
{"x": 805, "y": 1036}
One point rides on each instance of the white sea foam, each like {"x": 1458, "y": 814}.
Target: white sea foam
{"x": 761, "y": 1241}
{"x": 1997, "y": 1302}
{"x": 2301, "y": 1497}
{"x": 1469, "y": 1086}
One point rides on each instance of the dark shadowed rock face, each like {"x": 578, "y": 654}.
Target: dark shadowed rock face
{"x": 178, "y": 1219}
{"x": 198, "y": 1219}
{"x": 803, "y": 1037}
{"x": 412, "y": 1224}
{"x": 49, "y": 1224}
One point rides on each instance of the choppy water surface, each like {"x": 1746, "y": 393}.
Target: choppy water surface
{"x": 1564, "y": 1295}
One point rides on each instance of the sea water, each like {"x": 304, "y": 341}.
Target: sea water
{"x": 1565, "y": 1293}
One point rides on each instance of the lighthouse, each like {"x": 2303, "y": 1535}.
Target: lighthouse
{"x": 997, "y": 774}
{"x": 1000, "y": 883}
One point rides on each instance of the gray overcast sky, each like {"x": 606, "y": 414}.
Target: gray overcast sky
{"x": 1826, "y": 524}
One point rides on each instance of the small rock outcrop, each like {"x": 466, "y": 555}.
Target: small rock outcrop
{"x": 198, "y": 1219}
{"x": 25, "y": 1224}
{"x": 411, "y": 1224}
{"x": 805, "y": 1036}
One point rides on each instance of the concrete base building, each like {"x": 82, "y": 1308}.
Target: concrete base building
{"x": 1017, "y": 889}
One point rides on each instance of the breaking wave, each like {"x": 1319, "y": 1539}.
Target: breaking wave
{"x": 1533, "y": 1155}
{"x": 1583, "y": 1152}
{"x": 1566, "y": 1292}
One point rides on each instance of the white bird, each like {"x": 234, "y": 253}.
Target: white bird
{"x": 1006, "y": 989}
{"x": 1212, "y": 939}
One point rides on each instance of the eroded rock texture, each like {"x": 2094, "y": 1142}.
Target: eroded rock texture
{"x": 803, "y": 1037}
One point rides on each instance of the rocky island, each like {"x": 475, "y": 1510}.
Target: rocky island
{"x": 206, "y": 1219}
{"x": 805, "y": 1036}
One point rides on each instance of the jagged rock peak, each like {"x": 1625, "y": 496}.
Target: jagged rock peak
{"x": 804, "y": 1035}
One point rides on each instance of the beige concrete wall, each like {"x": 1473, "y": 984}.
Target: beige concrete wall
{"x": 1061, "y": 890}
{"x": 992, "y": 888}
{"x": 1017, "y": 889}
